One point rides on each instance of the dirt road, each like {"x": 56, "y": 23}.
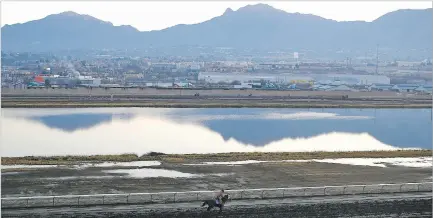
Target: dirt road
{"x": 389, "y": 205}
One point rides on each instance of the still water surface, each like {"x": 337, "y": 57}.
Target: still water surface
{"x": 140, "y": 130}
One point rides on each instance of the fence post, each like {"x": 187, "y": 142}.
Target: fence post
{"x": 418, "y": 186}
{"x": 27, "y": 202}
{"x": 344, "y": 190}
{"x": 283, "y": 192}
{"x": 262, "y": 194}
{"x": 174, "y": 197}
{"x": 363, "y": 190}
{"x": 305, "y": 190}
{"x": 151, "y": 198}
{"x": 53, "y": 201}
{"x": 401, "y": 186}
{"x": 242, "y": 194}
{"x": 127, "y": 199}
{"x": 78, "y": 201}
{"x": 103, "y": 199}
{"x": 197, "y": 196}
{"x": 324, "y": 191}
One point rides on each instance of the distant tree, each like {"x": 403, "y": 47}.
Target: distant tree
{"x": 236, "y": 82}
{"x": 47, "y": 83}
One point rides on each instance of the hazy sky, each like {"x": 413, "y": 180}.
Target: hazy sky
{"x": 148, "y": 15}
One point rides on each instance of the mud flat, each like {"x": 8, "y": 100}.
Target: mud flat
{"x": 403, "y": 205}
{"x": 35, "y": 176}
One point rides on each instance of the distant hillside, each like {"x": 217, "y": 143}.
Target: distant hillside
{"x": 254, "y": 26}
{"x": 67, "y": 30}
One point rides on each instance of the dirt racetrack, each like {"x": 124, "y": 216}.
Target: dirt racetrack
{"x": 403, "y": 205}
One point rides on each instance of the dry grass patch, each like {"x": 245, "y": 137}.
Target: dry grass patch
{"x": 183, "y": 158}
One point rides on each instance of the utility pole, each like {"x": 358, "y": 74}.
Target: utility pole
{"x": 377, "y": 58}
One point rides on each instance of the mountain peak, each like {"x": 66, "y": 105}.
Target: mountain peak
{"x": 258, "y": 8}
{"x": 228, "y": 11}
{"x": 69, "y": 13}
{"x": 76, "y": 16}
{"x": 258, "y": 26}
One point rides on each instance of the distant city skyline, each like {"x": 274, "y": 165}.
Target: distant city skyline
{"x": 146, "y": 16}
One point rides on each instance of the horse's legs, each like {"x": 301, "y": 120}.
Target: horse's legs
{"x": 208, "y": 208}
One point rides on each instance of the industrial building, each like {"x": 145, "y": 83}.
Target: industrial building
{"x": 335, "y": 79}
{"x": 65, "y": 81}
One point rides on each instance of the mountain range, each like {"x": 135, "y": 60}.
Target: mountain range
{"x": 257, "y": 26}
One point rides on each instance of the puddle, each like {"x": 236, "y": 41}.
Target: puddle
{"x": 26, "y": 166}
{"x": 121, "y": 164}
{"x": 77, "y": 177}
{"x": 417, "y": 162}
{"x": 219, "y": 174}
{"x": 87, "y": 165}
{"x": 231, "y": 163}
{"x": 150, "y": 173}
{"x": 11, "y": 173}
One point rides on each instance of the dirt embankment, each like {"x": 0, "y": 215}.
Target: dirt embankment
{"x": 177, "y": 98}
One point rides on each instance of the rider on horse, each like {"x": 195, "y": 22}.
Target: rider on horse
{"x": 219, "y": 195}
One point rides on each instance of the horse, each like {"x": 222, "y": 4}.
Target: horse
{"x": 212, "y": 203}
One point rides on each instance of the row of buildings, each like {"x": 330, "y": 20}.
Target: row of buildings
{"x": 401, "y": 88}
{"x": 43, "y": 80}
{"x": 334, "y": 79}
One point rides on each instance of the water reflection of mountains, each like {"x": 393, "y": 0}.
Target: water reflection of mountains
{"x": 262, "y": 132}
{"x": 259, "y": 132}
{"x": 74, "y": 122}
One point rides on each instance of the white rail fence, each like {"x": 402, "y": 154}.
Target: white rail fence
{"x": 191, "y": 196}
